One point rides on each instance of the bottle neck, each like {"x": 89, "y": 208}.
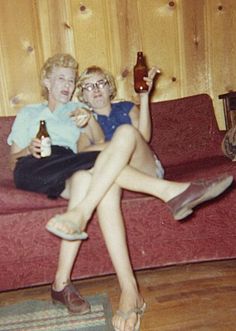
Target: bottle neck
{"x": 140, "y": 59}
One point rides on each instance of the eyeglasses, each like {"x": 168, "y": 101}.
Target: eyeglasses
{"x": 100, "y": 84}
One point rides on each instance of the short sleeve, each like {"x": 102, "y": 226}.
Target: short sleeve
{"x": 19, "y": 130}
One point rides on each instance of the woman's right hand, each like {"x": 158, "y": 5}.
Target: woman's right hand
{"x": 34, "y": 148}
{"x": 81, "y": 116}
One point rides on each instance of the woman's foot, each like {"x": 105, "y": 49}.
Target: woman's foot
{"x": 70, "y": 297}
{"x": 198, "y": 192}
{"x": 131, "y": 308}
{"x": 68, "y": 226}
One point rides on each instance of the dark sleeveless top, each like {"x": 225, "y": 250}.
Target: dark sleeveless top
{"x": 119, "y": 115}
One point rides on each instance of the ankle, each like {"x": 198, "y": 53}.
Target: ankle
{"x": 84, "y": 210}
{"x": 58, "y": 284}
{"x": 129, "y": 285}
{"x": 129, "y": 300}
{"x": 179, "y": 188}
{"x": 132, "y": 292}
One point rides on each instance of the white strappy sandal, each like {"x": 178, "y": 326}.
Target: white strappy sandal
{"x": 138, "y": 311}
{"x": 77, "y": 235}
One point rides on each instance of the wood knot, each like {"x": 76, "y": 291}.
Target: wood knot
{"x": 15, "y": 100}
{"x": 82, "y": 8}
{"x": 30, "y": 49}
{"x": 67, "y": 25}
{"x": 125, "y": 73}
{"x": 196, "y": 40}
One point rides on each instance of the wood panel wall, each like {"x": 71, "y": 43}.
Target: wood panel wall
{"x": 191, "y": 41}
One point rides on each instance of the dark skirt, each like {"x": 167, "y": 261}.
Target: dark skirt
{"x": 48, "y": 175}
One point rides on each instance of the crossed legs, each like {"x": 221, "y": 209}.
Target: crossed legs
{"x": 112, "y": 226}
{"x": 128, "y": 162}
{"x": 118, "y": 166}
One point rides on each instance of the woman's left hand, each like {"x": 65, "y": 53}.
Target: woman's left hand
{"x": 81, "y": 116}
{"x": 151, "y": 75}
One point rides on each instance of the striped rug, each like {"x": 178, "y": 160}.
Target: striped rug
{"x": 44, "y": 316}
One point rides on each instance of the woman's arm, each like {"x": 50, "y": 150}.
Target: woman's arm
{"x": 17, "y": 152}
{"x": 95, "y": 131}
{"x": 141, "y": 119}
{"x": 92, "y": 137}
{"x": 85, "y": 145}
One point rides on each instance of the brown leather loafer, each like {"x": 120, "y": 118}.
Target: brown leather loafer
{"x": 198, "y": 192}
{"x": 71, "y": 298}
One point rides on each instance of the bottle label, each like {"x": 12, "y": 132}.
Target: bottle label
{"x": 45, "y": 146}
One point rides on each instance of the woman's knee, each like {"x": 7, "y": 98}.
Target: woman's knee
{"x": 80, "y": 176}
{"x": 125, "y": 133}
{"x": 125, "y": 129}
{"x": 79, "y": 180}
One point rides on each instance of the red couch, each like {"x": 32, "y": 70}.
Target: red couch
{"x": 186, "y": 138}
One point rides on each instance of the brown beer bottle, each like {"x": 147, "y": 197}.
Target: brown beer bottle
{"x": 140, "y": 71}
{"x": 45, "y": 139}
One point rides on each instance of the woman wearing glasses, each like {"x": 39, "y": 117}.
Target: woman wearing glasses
{"x": 126, "y": 161}
{"x": 97, "y": 88}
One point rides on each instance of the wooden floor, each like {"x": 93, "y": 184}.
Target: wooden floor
{"x": 190, "y": 297}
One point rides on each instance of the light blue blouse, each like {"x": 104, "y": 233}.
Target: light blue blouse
{"x": 61, "y": 128}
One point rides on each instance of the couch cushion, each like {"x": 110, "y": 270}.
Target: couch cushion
{"x": 13, "y": 200}
{"x": 5, "y": 127}
{"x": 185, "y": 130}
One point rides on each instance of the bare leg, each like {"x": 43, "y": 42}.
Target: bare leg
{"x": 111, "y": 222}
{"x": 115, "y": 165}
{"x": 112, "y": 226}
{"x": 126, "y": 147}
{"x": 75, "y": 191}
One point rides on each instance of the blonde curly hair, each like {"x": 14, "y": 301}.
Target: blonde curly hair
{"x": 58, "y": 60}
{"x": 90, "y": 71}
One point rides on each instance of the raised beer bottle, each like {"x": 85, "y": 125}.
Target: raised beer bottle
{"x": 140, "y": 71}
{"x": 45, "y": 139}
